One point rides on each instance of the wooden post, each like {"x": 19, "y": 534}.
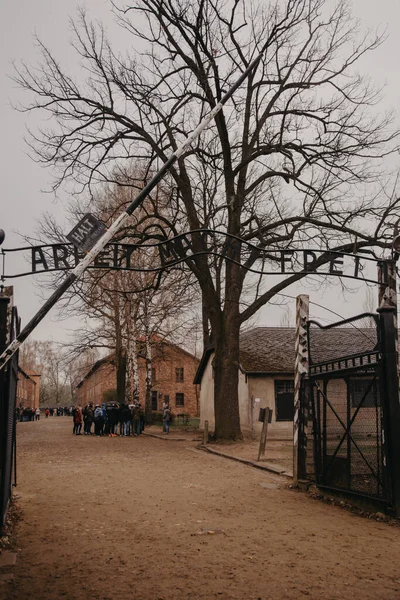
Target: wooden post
{"x": 263, "y": 438}
{"x": 300, "y": 370}
{"x": 205, "y": 433}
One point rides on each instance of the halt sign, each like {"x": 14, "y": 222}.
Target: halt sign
{"x": 86, "y": 233}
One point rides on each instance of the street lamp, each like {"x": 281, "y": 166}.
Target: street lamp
{"x": 2, "y": 236}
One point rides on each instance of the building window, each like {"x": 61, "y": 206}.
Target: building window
{"x": 179, "y": 374}
{"x": 180, "y": 400}
{"x": 364, "y": 391}
{"x": 153, "y": 374}
{"x": 284, "y": 400}
{"x": 154, "y": 404}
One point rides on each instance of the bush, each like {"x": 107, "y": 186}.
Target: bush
{"x": 179, "y": 421}
{"x": 157, "y": 418}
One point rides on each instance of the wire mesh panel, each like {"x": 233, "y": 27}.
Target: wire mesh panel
{"x": 347, "y": 406}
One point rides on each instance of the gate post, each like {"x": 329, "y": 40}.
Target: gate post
{"x": 387, "y": 291}
{"x": 4, "y": 302}
{"x": 300, "y": 371}
{"x": 390, "y": 397}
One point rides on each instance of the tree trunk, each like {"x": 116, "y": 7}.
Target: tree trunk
{"x": 132, "y": 369}
{"x": 226, "y": 376}
{"x": 148, "y": 376}
{"x": 135, "y": 368}
{"x": 121, "y": 374}
{"x": 120, "y": 359}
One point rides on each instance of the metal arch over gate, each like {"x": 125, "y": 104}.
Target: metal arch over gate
{"x": 352, "y": 391}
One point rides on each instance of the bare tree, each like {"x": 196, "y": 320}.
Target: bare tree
{"x": 287, "y": 319}
{"x": 117, "y": 305}
{"x": 47, "y": 359}
{"x": 288, "y": 160}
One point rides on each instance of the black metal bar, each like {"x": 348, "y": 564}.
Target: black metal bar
{"x": 317, "y": 429}
{"x": 350, "y": 493}
{"x": 200, "y": 230}
{"x": 3, "y": 268}
{"x": 4, "y": 303}
{"x": 348, "y": 437}
{"x": 42, "y": 312}
{"x": 390, "y": 399}
{"x": 324, "y": 452}
{"x": 378, "y": 438}
{"x": 346, "y": 428}
{"x": 324, "y": 366}
{"x": 15, "y": 450}
{"x": 344, "y": 321}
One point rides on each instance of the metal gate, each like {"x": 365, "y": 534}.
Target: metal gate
{"x": 347, "y": 392}
{"x": 9, "y": 328}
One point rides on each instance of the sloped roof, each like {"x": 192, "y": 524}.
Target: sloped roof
{"x": 32, "y": 373}
{"x": 107, "y": 359}
{"x": 272, "y": 349}
{"x": 262, "y": 350}
{"x": 338, "y": 342}
{"x": 267, "y": 350}
{"x": 27, "y": 374}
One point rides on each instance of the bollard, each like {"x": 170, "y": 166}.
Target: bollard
{"x": 205, "y": 433}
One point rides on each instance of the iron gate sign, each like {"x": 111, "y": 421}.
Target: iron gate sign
{"x": 173, "y": 251}
{"x": 86, "y": 233}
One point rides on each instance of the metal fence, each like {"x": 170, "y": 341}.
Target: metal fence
{"x": 348, "y": 408}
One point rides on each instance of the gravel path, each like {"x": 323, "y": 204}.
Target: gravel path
{"x": 145, "y": 519}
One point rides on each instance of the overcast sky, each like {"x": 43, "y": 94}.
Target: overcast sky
{"x": 22, "y": 198}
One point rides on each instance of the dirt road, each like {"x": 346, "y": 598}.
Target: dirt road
{"x": 127, "y": 518}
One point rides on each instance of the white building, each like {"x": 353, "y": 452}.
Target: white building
{"x": 266, "y": 378}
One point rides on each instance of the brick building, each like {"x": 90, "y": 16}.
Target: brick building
{"x": 28, "y": 388}
{"x": 173, "y": 372}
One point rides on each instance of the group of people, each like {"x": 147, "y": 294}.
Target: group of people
{"x": 60, "y": 411}
{"x": 111, "y": 419}
{"x": 27, "y": 413}
{"x": 108, "y": 419}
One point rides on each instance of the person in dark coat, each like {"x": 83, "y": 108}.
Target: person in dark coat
{"x": 106, "y": 427}
{"x": 88, "y": 418}
{"x": 166, "y": 419}
{"x": 98, "y": 420}
{"x": 108, "y": 419}
{"x": 125, "y": 417}
{"x": 77, "y": 421}
{"x": 113, "y": 416}
{"x": 136, "y": 420}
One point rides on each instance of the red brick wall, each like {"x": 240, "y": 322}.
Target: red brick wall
{"x": 26, "y": 392}
{"x": 93, "y": 388}
{"x": 165, "y": 362}
{"x": 166, "y": 359}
